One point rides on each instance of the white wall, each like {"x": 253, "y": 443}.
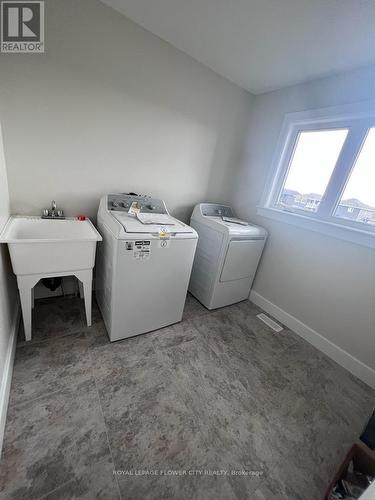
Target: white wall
{"x": 112, "y": 108}
{"x": 326, "y": 283}
{"x": 8, "y": 302}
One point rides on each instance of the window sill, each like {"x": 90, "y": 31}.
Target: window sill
{"x": 339, "y": 231}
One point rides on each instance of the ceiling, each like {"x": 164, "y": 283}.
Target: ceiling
{"x": 263, "y": 45}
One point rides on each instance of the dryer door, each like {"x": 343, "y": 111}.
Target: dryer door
{"x": 242, "y": 259}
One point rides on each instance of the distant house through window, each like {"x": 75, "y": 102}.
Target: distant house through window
{"x": 325, "y": 169}
{"x": 314, "y": 158}
{"x": 358, "y": 200}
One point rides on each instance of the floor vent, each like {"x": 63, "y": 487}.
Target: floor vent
{"x": 270, "y": 322}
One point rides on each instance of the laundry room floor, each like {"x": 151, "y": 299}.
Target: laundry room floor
{"x": 215, "y": 407}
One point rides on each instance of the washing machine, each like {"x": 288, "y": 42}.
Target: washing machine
{"x": 143, "y": 264}
{"x": 227, "y": 255}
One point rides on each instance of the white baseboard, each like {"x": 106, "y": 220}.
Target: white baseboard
{"x": 7, "y": 373}
{"x": 343, "y": 358}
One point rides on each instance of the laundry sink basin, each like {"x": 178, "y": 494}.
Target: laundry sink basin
{"x": 39, "y": 246}
{"x": 44, "y": 248}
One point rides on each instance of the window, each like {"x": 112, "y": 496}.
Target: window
{"x": 311, "y": 166}
{"x": 324, "y": 172}
{"x": 358, "y": 200}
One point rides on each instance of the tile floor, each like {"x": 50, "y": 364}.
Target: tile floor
{"x": 218, "y": 392}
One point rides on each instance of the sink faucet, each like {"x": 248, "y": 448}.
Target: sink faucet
{"x": 53, "y": 213}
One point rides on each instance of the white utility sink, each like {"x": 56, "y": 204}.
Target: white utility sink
{"x": 39, "y": 245}
{"x": 44, "y": 248}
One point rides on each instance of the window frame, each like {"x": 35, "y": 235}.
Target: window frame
{"x": 358, "y": 118}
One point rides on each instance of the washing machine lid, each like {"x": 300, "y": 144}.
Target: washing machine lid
{"x": 235, "y": 229}
{"x": 168, "y": 224}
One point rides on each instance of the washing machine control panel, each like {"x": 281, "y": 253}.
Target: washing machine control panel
{"x": 123, "y": 202}
{"x": 216, "y": 210}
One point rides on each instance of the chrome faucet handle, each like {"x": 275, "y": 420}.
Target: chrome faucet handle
{"x": 53, "y": 213}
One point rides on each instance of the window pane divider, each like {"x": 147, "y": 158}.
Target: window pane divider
{"x": 340, "y": 175}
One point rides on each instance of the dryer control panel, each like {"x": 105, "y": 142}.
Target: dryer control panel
{"x": 122, "y": 203}
{"x": 216, "y": 210}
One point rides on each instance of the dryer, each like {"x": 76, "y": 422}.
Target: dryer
{"x": 227, "y": 255}
{"x": 143, "y": 264}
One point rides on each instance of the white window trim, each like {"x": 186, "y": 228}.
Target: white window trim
{"x": 331, "y": 117}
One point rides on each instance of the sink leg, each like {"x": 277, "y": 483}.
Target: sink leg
{"x": 25, "y": 296}
{"x": 87, "y": 286}
{"x": 81, "y": 293}
{"x": 26, "y": 284}
{"x": 85, "y": 277}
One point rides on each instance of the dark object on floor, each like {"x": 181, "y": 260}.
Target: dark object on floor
{"x": 355, "y": 475}
{"x": 368, "y": 434}
{"x": 52, "y": 283}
